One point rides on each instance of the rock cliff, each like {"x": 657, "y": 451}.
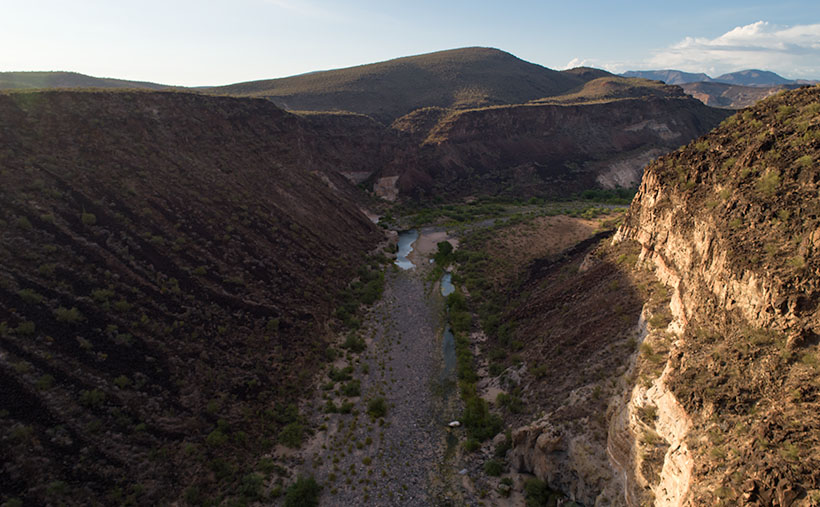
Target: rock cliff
{"x": 730, "y": 224}
{"x": 555, "y": 148}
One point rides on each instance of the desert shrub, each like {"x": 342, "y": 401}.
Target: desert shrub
{"x": 503, "y": 446}
{"x": 538, "y": 493}
{"x": 480, "y": 423}
{"x": 303, "y": 493}
{"x": 88, "y": 218}
{"x": 93, "y": 398}
{"x": 377, "y": 407}
{"x": 472, "y": 445}
{"x": 30, "y": 296}
{"x": 24, "y": 328}
{"x": 71, "y": 316}
{"x": 216, "y": 438}
{"x": 24, "y": 223}
{"x": 251, "y": 487}
{"x": 354, "y": 343}
{"x": 292, "y": 435}
{"x": 102, "y": 295}
{"x": 660, "y": 319}
{"x": 510, "y": 402}
{"x": 122, "y": 381}
{"x": 340, "y": 375}
{"x": 352, "y": 388}
{"x": 768, "y": 182}
{"x": 493, "y": 468}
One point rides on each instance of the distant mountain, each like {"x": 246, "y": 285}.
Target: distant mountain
{"x": 33, "y": 80}
{"x": 734, "y": 90}
{"x": 457, "y": 78}
{"x": 753, "y": 77}
{"x": 749, "y": 77}
{"x": 673, "y": 77}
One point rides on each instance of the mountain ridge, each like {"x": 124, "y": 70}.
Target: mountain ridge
{"x": 463, "y": 77}
{"x": 64, "y": 79}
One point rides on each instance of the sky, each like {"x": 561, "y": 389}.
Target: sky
{"x": 213, "y": 42}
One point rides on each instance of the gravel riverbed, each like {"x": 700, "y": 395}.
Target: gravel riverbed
{"x": 401, "y": 458}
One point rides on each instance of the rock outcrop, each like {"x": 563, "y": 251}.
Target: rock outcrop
{"x": 730, "y": 225}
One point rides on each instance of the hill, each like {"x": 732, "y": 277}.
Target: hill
{"x": 458, "y": 78}
{"x": 674, "y": 77}
{"x": 753, "y": 77}
{"x": 600, "y": 134}
{"x": 39, "y": 80}
{"x": 609, "y": 88}
{"x": 170, "y": 265}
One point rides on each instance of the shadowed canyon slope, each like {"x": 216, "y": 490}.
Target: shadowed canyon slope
{"x": 168, "y": 267}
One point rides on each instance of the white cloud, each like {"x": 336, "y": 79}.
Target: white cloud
{"x": 791, "y": 51}
{"x": 575, "y": 62}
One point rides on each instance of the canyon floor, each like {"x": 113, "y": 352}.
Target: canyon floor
{"x": 400, "y": 458}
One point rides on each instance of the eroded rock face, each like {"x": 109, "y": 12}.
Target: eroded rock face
{"x": 721, "y": 401}
{"x": 729, "y": 225}
{"x": 534, "y": 147}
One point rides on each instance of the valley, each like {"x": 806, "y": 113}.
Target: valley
{"x": 457, "y": 278}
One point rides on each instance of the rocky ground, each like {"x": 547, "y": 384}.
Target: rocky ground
{"x": 396, "y": 459}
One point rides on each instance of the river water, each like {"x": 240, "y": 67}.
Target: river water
{"x": 447, "y": 286}
{"x": 406, "y": 240}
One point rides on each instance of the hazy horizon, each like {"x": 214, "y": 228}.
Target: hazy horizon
{"x": 189, "y": 44}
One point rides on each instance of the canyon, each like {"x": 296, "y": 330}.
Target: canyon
{"x": 200, "y": 304}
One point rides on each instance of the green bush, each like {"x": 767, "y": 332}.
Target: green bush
{"x": 88, "y": 218}
{"x": 538, "y": 494}
{"x": 472, "y": 445}
{"x": 93, "y": 398}
{"x": 216, "y": 438}
{"x": 342, "y": 375}
{"x": 352, "y": 388}
{"x": 25, "y": 328}
{"x": 377, "y": 407}
{"x": 292, "y": 435}
{"x": 478, "y": 420}
{"x": 493, "y": 468}
{"x": 768, "y": 182}
{"x": 71, "y": 316}
{"x": 354, "y": 343}
{"x": 303, "y": 493}
{"x": 30, "y": 296}
{"x": 503, "y": 446}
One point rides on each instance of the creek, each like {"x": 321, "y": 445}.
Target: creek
{"x": 406, "y": 240}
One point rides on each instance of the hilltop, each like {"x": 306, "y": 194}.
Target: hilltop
{"x": 457, "y": 78}
{"x": 40, "y": 80}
